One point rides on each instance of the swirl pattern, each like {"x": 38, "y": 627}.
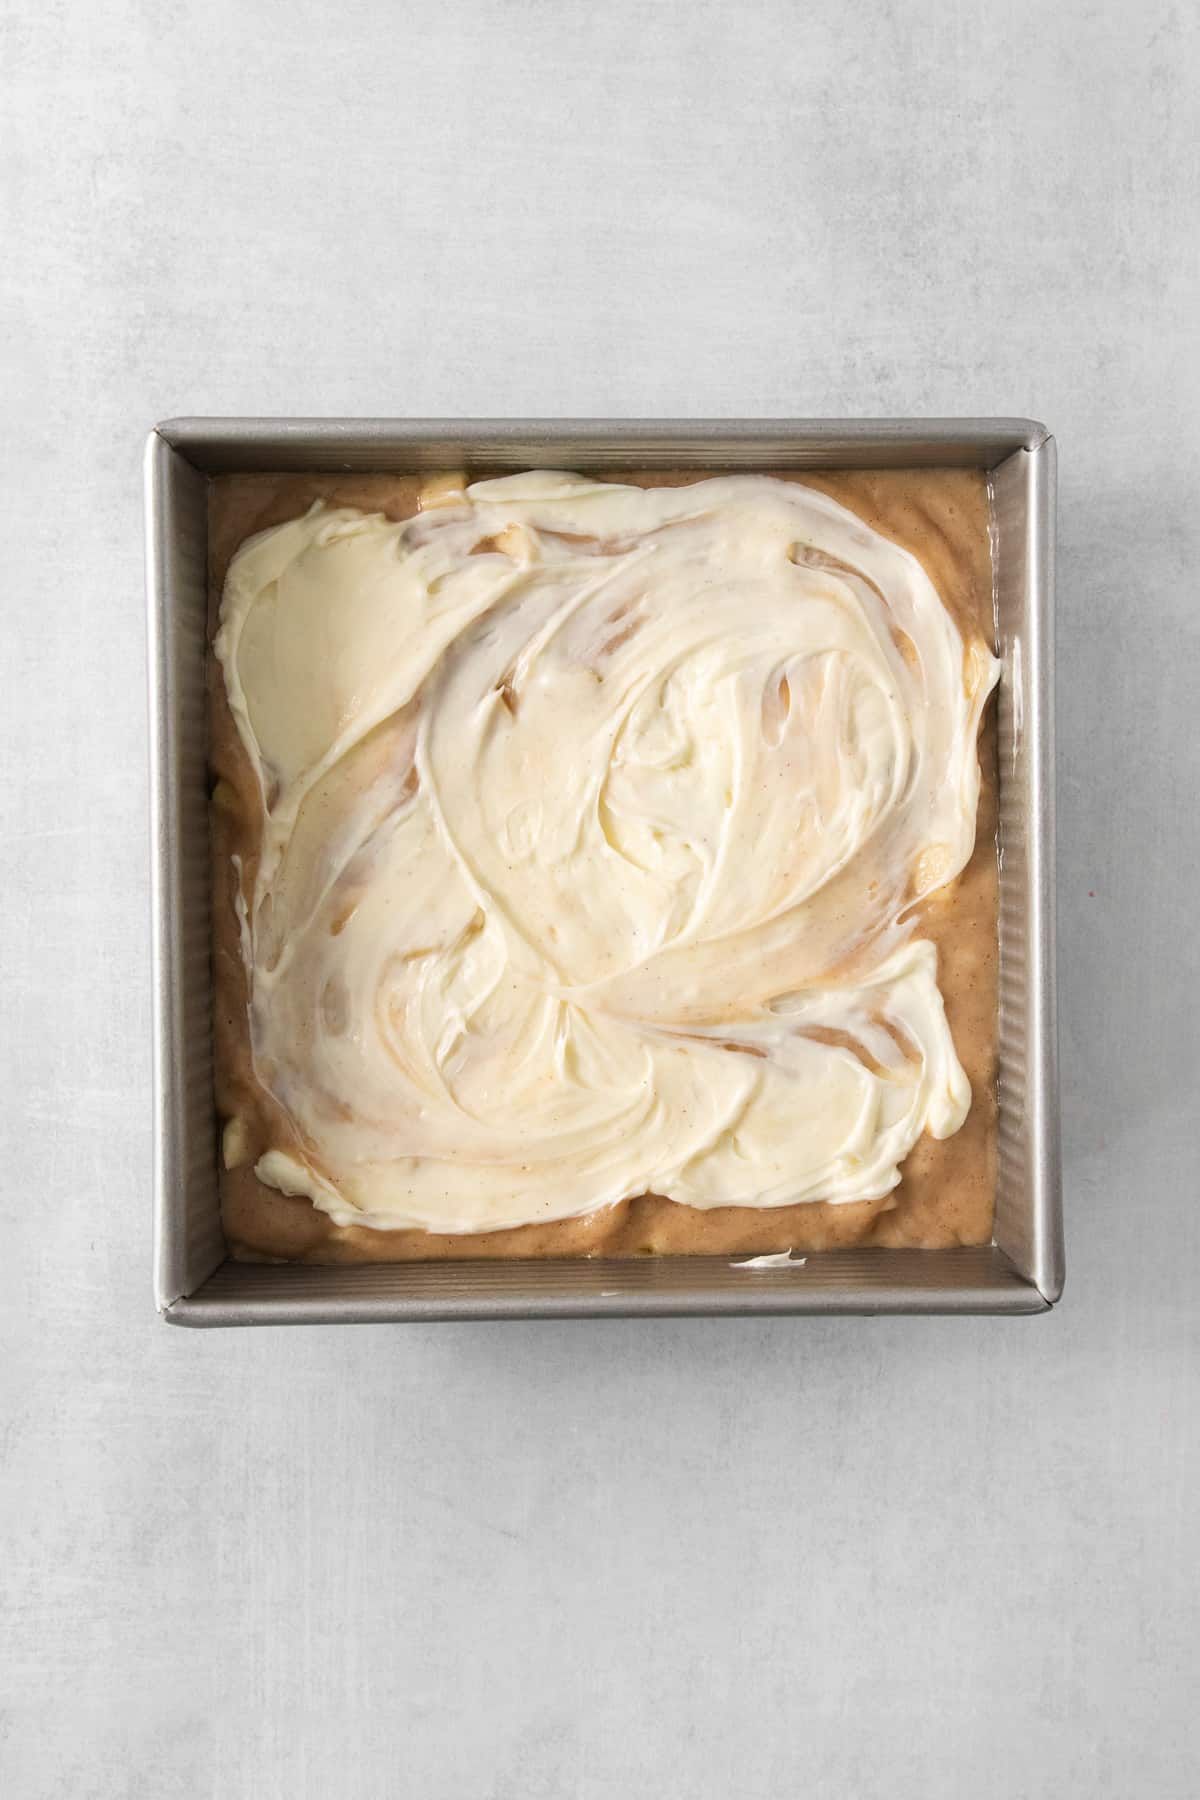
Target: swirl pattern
{"x": 593, "y": 820}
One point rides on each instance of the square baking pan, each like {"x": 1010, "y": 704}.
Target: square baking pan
{"x": 198, "y": 1283}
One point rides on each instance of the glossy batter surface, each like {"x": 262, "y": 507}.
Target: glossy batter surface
{"x": 648, "y": 785}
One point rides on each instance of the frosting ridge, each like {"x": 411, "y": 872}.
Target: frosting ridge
{"x": 593, "y": 820}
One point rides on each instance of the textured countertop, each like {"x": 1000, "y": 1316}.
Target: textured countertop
{"x": 910, "y": 1559}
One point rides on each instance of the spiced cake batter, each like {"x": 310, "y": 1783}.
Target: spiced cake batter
{"x": 599, "y": 866}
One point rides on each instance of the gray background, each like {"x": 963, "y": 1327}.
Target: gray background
{"x": 901, "y": 1558}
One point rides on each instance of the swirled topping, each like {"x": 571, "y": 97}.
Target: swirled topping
{"x": 593, "y": 823}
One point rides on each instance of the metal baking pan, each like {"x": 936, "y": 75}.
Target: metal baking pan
{"x": 197, "y": 1283}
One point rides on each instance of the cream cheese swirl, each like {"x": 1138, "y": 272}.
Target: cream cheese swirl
{"x": 593, "y": 822}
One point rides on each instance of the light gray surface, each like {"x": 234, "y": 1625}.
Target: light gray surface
{"x": 901, "y": 1558}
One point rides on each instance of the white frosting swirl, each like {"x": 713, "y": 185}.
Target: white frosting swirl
{"x": 594, "y": 817}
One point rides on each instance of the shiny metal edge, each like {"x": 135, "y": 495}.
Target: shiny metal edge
{"x": 861, "y": 1282}
{"x": 1049, "y": 1269}
{"x": 194, "y": 1286}
{"x": 219, "y": 446}
{"x": 1029, "y": 1138}
{"x": 188, "y": 1243}
{"x": 1049, "y": 1272}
